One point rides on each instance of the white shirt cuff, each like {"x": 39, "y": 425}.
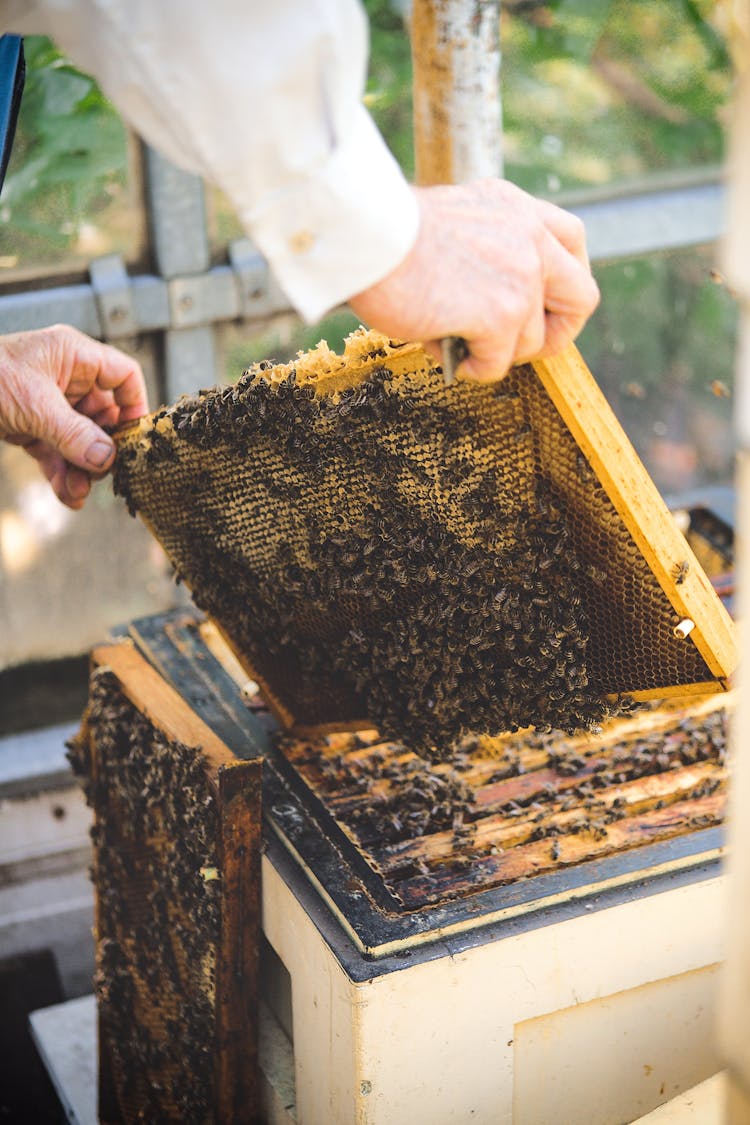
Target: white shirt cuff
{"x": 340, "y": 229}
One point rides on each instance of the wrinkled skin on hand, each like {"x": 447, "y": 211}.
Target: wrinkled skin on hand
{"x": 507, "y": 272}
{"x": 58, "y": 388}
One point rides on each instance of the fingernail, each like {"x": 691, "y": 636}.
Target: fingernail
{"x": 98, "y": 453}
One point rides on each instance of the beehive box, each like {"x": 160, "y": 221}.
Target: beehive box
{"x": 378, "y": 547}
{"x": 395, "y": 839}
{"x": 430, "y": 917}
{"x": 522, "y": 805}
{"x": 177, "y": 873}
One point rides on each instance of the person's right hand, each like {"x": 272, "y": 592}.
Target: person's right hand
{"x": 506, "y": 271}
{"x": 58, "y": 388}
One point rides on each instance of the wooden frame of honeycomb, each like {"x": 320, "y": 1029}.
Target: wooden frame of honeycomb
{"x": 477, "y": 473}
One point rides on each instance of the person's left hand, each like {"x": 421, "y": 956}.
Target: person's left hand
{"x": 58, "y": 388}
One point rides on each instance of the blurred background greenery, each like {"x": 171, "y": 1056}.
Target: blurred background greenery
{"x": 596, "y": 94}
{"x": 69, "y": 192}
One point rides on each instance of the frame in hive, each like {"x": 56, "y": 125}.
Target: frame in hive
{"x": 177, "y": 878}
{"x": 403, "y": 850}
{"x": 376, "y": 546}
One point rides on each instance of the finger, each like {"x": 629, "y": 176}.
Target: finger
{"x": 568, "y": 229}
{"x": 93, "y": 402}
{"x": 480, "y": 367}
{"x": 70, "y": 485}
{"x": 101, "y": 407}
{"x": 561, "y": 331}
{"x": 121, "y": 374}
{"x": 533, "y": 337}
{"x": 108, "y": 418}
{"x": 570, "y": 290}
{"x": 434, "y": 348}
{"x": 77, "y": 486}
{"x": 91, "y": 364}
{"x": 77, "y": 438}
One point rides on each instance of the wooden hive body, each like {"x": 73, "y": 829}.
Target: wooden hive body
{"x": 177, "y": 875}
{"x": 394, "y": 841}
{"x": 380, "y": 867}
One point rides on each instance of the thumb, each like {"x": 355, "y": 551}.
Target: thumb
{"x": 80, "y": 441}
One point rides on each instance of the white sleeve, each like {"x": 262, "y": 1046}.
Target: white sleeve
{"x": 264, "y": 99}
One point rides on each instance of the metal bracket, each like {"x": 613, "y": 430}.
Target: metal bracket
{"x": 202, "y": 298}
{"x": 114, "y": 297}
{"x": 244, "y": 289}
{"x": 257, "y": 291}
{"x": 114, "y": 305}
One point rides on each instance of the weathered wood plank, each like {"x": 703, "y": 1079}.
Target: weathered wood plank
{"x": 160, "y": 703}
{"x": 238, "y": 954}
{"x": 504, "y": 831}
{"x": 547, "y": 855}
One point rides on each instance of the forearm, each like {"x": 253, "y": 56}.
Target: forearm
{"x": 266, "y": 102}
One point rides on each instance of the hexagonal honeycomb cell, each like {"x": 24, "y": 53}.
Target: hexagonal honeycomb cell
{"x": 379, "y": 547}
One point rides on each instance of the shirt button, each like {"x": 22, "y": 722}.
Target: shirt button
{"x": 302, "y": 241}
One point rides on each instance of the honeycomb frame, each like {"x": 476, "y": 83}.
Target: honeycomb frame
{"x": 549, "y": 417}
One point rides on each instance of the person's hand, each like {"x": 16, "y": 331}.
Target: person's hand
{"x": 58, "y": 388}
{"x": 507, "y": 272}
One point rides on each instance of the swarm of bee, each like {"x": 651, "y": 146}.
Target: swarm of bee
{"x": 393, "y": 551}
{"x": 426, "y": 825}
{"x": 158, "y": 918}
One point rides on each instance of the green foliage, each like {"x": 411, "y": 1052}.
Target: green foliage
{"x": 601, "y": 91}
{"x": 389, "y": 84}
{"x": 594, "y": 91}
{"x": 662, "y": 346}
{"x": 69, "y": 158}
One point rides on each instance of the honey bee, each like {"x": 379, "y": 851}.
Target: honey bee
{"x": 679, "y": 571}
{"x": 584, "y": 470}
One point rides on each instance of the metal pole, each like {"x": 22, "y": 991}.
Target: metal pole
{"x": 457, "y": 108}
{"x": 180, "y": 245}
